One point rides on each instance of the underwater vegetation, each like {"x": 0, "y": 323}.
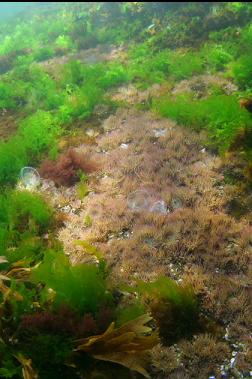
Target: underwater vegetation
{"x": 175, "y": 309}
{"x": 24, "y": 218}
{"x": 47, "y": 302}
{"x": 65, "y": 170}
{"x": 106, "y": 101}
{"x": 224, "y": 123}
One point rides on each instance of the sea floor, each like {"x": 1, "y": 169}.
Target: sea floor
{"x": 158, "y": 206}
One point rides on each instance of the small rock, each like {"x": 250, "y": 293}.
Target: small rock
{"x": 125, "y": 234}
{"x": 233, "y": 362}
{"x": 229, "y": 88}
{"x": 151, "y": 26}
{"x": 111, "y": 236}
{"x": 226, "y": 336}
{"x": 66, "y": 209}
{"x": 3, "y": 259}
{"x": 159, "y": 133}
{"x": 101, "y": 151}
{"x": 92, "y": 133}
{"x": 124, "y": 146}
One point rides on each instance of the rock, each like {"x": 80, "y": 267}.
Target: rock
{"x": 159, "y": 132}
{"x": 67, "y": 209}
{"x": 92, "y": 133}
{"x": 233, "y": 361}
{"x": 124, "y": 146}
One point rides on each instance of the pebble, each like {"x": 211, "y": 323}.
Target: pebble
{"x": 124, "y": 146}
{"x": 125, "y": 234}
{"x": 92, "y": 133}
{"x": 233, "y": 362}
{"x": 102, "y": 151}
{"x": 226, "y": 334}
{"x": 151, "y": 26}
{"x": 67, "y": 209}
{"x": 159, "y": 132}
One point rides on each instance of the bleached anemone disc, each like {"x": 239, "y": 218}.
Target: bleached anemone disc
{"x": 96, "y": 211}
{"x": 176, "y": 203}
{"x": 138, "y": 200}
{"x": 159, "y": 207}
{"x": 29, "y": 178}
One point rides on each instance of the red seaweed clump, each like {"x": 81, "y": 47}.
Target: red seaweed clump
{"x": 65, "y": 171}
